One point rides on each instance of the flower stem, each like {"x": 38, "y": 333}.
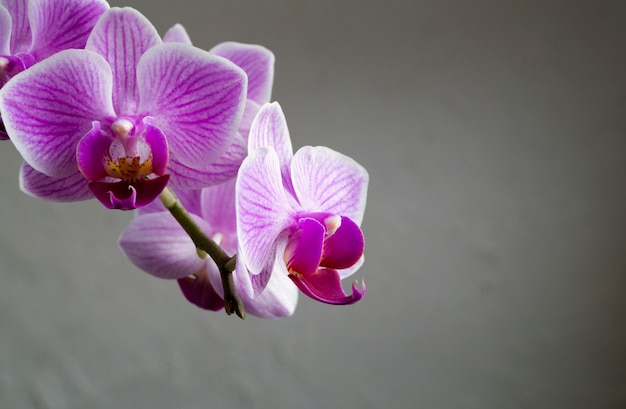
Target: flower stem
{"x": 225, "y": 263}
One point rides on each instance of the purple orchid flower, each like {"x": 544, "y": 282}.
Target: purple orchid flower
{"x": 122, "y": 118}
{"x": 156, "y": 243}
{"x": 31, "y": 30}
{"x": 258, "y": 64}
{"x": 298, "y": 215}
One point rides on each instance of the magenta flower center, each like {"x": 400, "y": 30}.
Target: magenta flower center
{"x": 129, "y": 157}
{"x": 323, "y": 241}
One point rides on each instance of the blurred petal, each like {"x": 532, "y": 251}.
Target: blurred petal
{"x": 262, "y": 208}
{"x": 20, "y": 27}
{"x": 325, "y": 286}
{"x": 121, "y": 36}
{"x": 189, "y": 199}
{"x": 60, "y": 25}
{"x": 269, "y": 128}
{"x": 218, "y": 208}
{"x": 48, "y": 108}
{"x": 5, "y": 31}
{"x": 278, "y": 299}
{"x": 258, "y": 63}
{"x": 66, "y": 189}
{"x": 224, "y": 169}
{"x": 249, "y": 112}
{"x": 177, "y": 34}
{"x": 327, "y": 181}
{"x": 158, "y": 245}
{"x": 196, "y": 99}
{"x": 198, "y": 290}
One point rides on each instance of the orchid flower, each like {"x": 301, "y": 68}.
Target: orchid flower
{"x": 31, "y": 30}
{"x": 258, "y": 64}
{"x": 298, "y": 215}
{"x": 122, "y": 118}
{"x": 157, "y": 244}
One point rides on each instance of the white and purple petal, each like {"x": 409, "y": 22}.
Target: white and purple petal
{"x": 5, "y": 32}
{"x": 258, "y": 63}
{"x": 158, "y": 245}
{"x": 50, "y": 107}
{"x": 70, "y": 188}
{"x": 220, "y": 171}
{"x": 269, "y": 128}
{"x": 20, "y": 28}
{"x": 59, "y": 25}
{"x": 190, "y": 199}
{"x": 122, "y": 36}
{"x": 196, "y": 98}
{"x": 177, "y": 34}
{"x": 327, "y": 181}
{"x": 218, "y": 210}
{"x": 263, "y": 211}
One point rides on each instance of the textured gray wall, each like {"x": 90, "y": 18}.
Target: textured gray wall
{"x": 494, "y": 134}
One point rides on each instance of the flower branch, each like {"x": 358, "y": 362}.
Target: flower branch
{"x": 225, "y": 263}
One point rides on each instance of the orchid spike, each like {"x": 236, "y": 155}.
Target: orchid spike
{"x": 298, "y": 215}
{"x": 32, "y": 30}
{"x": 157, "y": 244}
{"x": 129, "y": 113}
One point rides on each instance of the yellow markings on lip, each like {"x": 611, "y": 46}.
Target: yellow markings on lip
{"x": 128, "y": 168}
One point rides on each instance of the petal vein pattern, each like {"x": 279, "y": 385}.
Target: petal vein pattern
{"x": 262, "y": 207}
{"x": 48, "y": 108}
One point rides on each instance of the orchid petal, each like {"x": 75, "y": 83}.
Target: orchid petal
{"x": 5, "y": 31}
{"x": 258, "y": 63}
{"x": 48, "y": 108}
{"x": 199, "y": 291}
{"x": 218, "y": 208}
{"x": 249, "y": 112}
{"x": 278, "y": 299}
{"x": 347, "y": 272}
{"x": 327, "y": 181}
{"x": 158, "y": 149}
{"x": 344, "y": 247}
{"x": 125, "y": 196}
{"x": 269, "y": 128}
{"x": 158, "y": 245}
{"x": 20, "y": 28}
{"x": 189, "y": 199}
{"x": 262, "y": 208}
{"x": 304, "y": 248}
{"x": 90, "y": 153}
{"x": 121, "y": 36}
{"x": 224, "y": 169}
{"x": 255, "y": 284}
{"x": 196, "y": 99}
{"x": 70, "y": 188}
{"x": 60, "y": 25}
{"x": 177, "y": 34}
{"x": 325, "y": 286}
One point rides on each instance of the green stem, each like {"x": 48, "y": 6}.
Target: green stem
{"x": 225, "y": 263}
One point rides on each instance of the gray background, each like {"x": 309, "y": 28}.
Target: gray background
{"x": 493, "y": 132}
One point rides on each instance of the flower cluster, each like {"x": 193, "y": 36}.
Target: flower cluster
{"x": 100, "y": 106}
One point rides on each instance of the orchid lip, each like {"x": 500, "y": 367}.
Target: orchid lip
{"x": 125, "y": 196}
